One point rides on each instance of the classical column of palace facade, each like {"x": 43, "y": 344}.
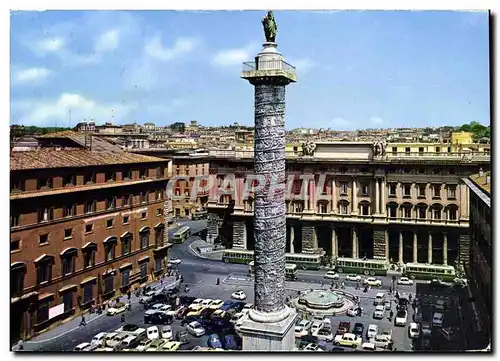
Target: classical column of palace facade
{"x": 240, "y": 234}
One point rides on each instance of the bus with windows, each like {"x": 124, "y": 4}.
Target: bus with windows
{"x": 367, "y": 267}
{"x": 199, "y": 215}
{"x": 182, "y": 234}
{"x": 422, "y": 271}
{"x": 301, "y": 260}
{"x": 290, "y": 271}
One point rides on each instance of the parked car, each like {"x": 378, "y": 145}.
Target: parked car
{"x": 143, "y": 344}
{"x": 158, "y": 298}
{"x": 155, "y": 345}
{"x": 379, "y": 312}
{"x": 313, "y": 347}
{"x": 358, "y": 329}
{"x": 148, "y": 296}
{"x": 405, "y": 281}
{"x": 216, "y": 304}
{"x": 387, "y": 305}
{"x": 426, "y": 329}
{"x": 183, "y": 337}
{"x": 153, "y": 333}
{"x": 80, "y": 347}
{"x": 348, "y": 339}
{"x": 117, "y": 340}
{"x": 206, "y": 302}
{"x": 344, "y": 327}
{"x": 158, "y": 318}
{"x": 236, "y": 317}
{"x": 372, "y": 281}
{"x": 239, "y": 295}
{"x": 372, "y": 331}
{"x": 174, "y": 261}
{"x": 232, "y": 342}
{"x": 437, "y": 319}
{"x": 332, "y": 275}
{"x": 355, "y": 311}
{"x": 170, "y": 346}
{"x": 214, "y": 341}
{"x": 316, "y": 326}
{"x": 196, "y": 303}
{"x": 181, "y": 312}
{"x": 324, "y": 334}
{"x": 368, "y": 346}
{"x": 227, "y": 305}
{"x": 302, "y": 328}
{"x": 379, "y": 299}
{"x": 98, "y": 339}
{"x": 440, "y": 305}
{"x": 353, "y": 277}
{"x": 195, "y": 329}
{"x": 129, "y": 327}
{"x": 414, "y": 330}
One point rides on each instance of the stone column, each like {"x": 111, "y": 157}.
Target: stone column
{"x": 415, "y": 247}
{"x": 269, "y": 325}
{"x": 429, "y": 249}
{"x": 354, "y": 206}
{"x": 386, "y": 237}
{"x": 400, "y": 247}
{"x": 377, "y": 197}
{"x": 445, "y": 248}
{"x": 239, "y": 235}
{"x": 355, "y": 243}
{"x": 305, "y": 188}
{"x": 335, "y": 247}
{"x": 383, "y": 204}
{"x": 292, "y": 237}
{"x": 334, "y": 196}
{"x": 312, "y": 194}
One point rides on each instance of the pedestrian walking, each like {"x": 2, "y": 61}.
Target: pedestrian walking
{"x": 218, "y": 281}
{"x": 129, "y": 294}
{"x": 83, "y": 322}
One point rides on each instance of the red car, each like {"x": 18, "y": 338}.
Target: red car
{"x": 181, "y": 312}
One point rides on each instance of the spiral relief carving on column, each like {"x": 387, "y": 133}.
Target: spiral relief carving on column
{"x": 270, "y": 216}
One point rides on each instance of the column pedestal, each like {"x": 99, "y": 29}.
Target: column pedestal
{"x": 263, "y": 333}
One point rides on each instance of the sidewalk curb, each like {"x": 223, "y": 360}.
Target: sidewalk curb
{"x": 200, "y": 256}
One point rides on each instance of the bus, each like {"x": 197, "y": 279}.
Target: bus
{"x": 290, "y": 271}
{"x": 423, "y": 271}
{"x": 182, "y": 234}
{"x": 199, "y": 215}
{"x": 367, "y": 267}
{"x": 302, "y": 260}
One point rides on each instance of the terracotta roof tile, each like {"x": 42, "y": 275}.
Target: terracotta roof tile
{"x": 50, "y": 158}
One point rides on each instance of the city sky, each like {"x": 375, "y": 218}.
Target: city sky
{"x": 356, "y": 69}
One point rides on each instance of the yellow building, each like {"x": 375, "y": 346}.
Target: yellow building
{"x": 414, "y": 148}
{"x": 461, "y": 138}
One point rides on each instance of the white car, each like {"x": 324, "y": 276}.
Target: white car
{"x": 324, "y": 334}
{"x": 153, "y": 333}
{"x": 313, "y": 347}
{"x": 147, "y": 297}
{"x": 372, "y": 281}
{"x": 379, "y": 312}
{"x": 354, "y": 311}
{"x": 372, "y": 331}
{"x": 238, "y": 295}
{"x": 302, "y": 328}
{"x": 405, "y": 281}
{"x": 196, "y": 302}
{"x": 81, "y": 346}
{"x": 216, "y": 304}
{"x": 112, "y": 311}
{"x": 353, "y": 277}
{"x": 316, "y": 326}
{"x": 332, "y": 275}
{"x": 166, "y": 333}
{"x": 143, "y": 345}
{"x": 167, "y": 309}
{"x": 174, "y": 261}
{"x": 414, "y": 330}
{"x": 109, "y": 336}
{"x": 195, "y": 329}
{"x": 98, "y": 339}
{"x": 437, "y": 319}
{"x": 401, "y": 318}
{"x": 248, "y": 306}
{"x": 206, "y": 302}
{"x": 236, "y": 317}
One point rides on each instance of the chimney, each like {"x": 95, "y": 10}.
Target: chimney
{"x": 480, "y": 172}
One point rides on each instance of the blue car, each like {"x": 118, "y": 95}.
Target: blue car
{"x": 227, "y": 305}
{"x": 230, "y": 342}
{"x": 214, "y": 341}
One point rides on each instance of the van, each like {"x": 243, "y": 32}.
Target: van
{"x": 130, "y": 342}
{"x": 379, "y": 299}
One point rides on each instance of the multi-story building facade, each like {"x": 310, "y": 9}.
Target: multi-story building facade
{"x": 86, "y": 227}
{"x": 479, "y": 269}
{"x": 392, "y": 205}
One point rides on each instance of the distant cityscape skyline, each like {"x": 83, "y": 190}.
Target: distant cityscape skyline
{"x": 381, "y": 69}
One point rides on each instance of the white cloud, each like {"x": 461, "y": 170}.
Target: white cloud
{"x": 108, "y": 41}
{"x": 47, "y": 112}
{"x": 230, "y": 57}
{"x": 302, "y": 65}
{"x": 30, "y": 75}
{"x": 49, "y": 45}
{"x": 376, "y": 120}
{"x": 155, "y": 49}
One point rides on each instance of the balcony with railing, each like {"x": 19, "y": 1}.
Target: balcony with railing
{"x": 268, "y": 67}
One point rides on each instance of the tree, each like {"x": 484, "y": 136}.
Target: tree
{"x": 178, "y": 127}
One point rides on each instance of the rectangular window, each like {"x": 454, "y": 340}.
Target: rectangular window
{"x": 88, "y": 294}
{"x": 16, "y": 281}
{"x": 89, "y": 258}
{"x": 421, "y": 190}
{"x": 110, "y": 252}
{"x": 452, "y": 192}
{"x": 438, "y": 149}
{"x": 68, "y": 265}
{"x": 144, "y": 269}
{"x": 45, "y": 214}
{"x": 17, "y": 185}
{"x": 365, "y": 210}
{"x": 159, "y": 237}
{"x": 43, "y": 273}
{"x": 126, "y": 246}
{"x": 420, "y": 150}
{"x": 449, "y": 149}
{"x": 109, "y": 223}
{"x": 343, "y": 188}
{"x": 421, "y": 213}
{"x": 125, "y": 219}
{"x": 90, "y": 207}
{"x": 43, "y": 238}
{"x": 323, "y": 208}
{"x": 89, "y": 228}
{"x": 42, "y": 313}
{"x": 128, "y": 174}
{"x": 437, "y": 191}
{"x": 394, "y": 150}
{"x": 68, "y": 301}
{"x": 125, "y": 278}
{"x": 158, "y": 264}
{"x": 407, "y": 190}
{"x": 89, "y": 178}
{"x": 392, "y": 212}
{"x": 144, "y": 215}
{"x": 452, "y": 214}
{"x": 407, "y": 150}
{"x": 344, "y": 209}
{"x": 69, "y": 180}
{"x": 186, "y": 211}
{"x": 159, "y": 211}
{"x": 109, "y": 284}
{"x": 15, "y": 220}
{"x": 68, "y": 233}
{"x": 159, "y": 172}
{"x": 298, "y": 207}
{"x": 392, "y": 189}
{"x": 15, "y": 245}
{"x": 365, "y": 189}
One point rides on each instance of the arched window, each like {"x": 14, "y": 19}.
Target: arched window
{"x": 17, "y": 273}
{"x": 110, "y": 247}
{"x": 452, "y": 210}
{"x": 298, "y": 206}
{"x": 364, "y": 208}
{"x": 436, "y": 210}
{"x": 68, "y": 261}
{"x": 392, "y": 208}
{"x": 421, "y": 211}
{"x": 406, "y": 209}
{"x": 43, "y": 265}
{"x": 344, "y": 206}
{"x": 144, "y": 233}
{"x": 249, "y": 204}
{"x": 89, "y": 250}
{"x": 159, "y": 234}
{"x": 126, "y": 239}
